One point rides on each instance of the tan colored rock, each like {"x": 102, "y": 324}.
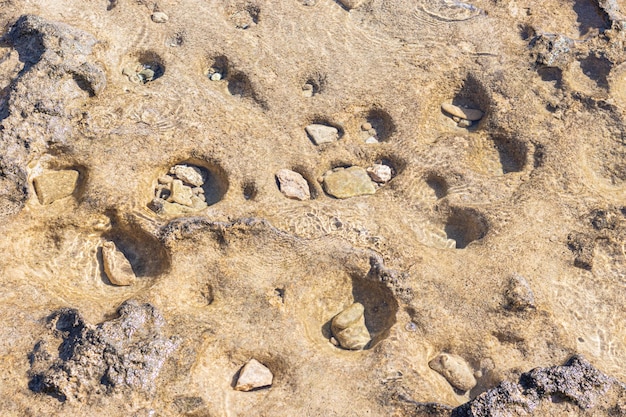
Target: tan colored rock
{"x": 380, "y": 173}
{"x": 455, "y": 370}
{"x": 188, "y": 174}
{"x": 348, "y": 327}
{"x": 55, "y": 185}
{"x": 254, "y": 375}
{"x": 462, "y": 113}
{"x": 293, "y": 185}
{"x": 181, "y": 194}
{"x": 348, "y": 182}
{"x": 159, "y": 17}
{"x": 322, "y": 134}
{"x": 116, "y": 266}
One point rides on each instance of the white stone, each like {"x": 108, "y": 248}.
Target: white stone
{"x": 371, "y": 140}
{"x": 188, "y": 174}
{"x": 116, "y": 267}
{"x": 293, "y": 185}
{"x": 380, "y": 173}
{"x": 254, "y": 375}
{"x": 216, "y": 76}
{"x": 322, "y": 133}
{"x": 159, "y": 17}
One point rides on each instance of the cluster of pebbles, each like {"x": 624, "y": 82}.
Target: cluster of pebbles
{"x": 462, "y": 116}
{"x": 142, "y": 73}
{"x": 181, "y": 188}
{"x": 339, "y": 182}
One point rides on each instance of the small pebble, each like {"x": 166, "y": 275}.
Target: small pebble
{"x": 372, "y": 132}
{"x": 464, "y": 123}
{"x": 307, "y": 90}
{"x": 181, "y": 194}
{"x": 197, "y": 190}
{"x": 456, "y": 119}
{"x": 216, "y": 76}
{"x": 188, "y": 174}
{"x": 293, "y": 185}
{"x": 462, "y": 113}
{"x": 159, "y": 17}
{"x": 254, "y": 375}
{"x": 165, "y": 179}
{"x": 146, "y": 75}
{"x": 455, "y": 370}
{"x": 380, "y": 173}
{"x": 116, "y": 266}
{"x": 366, "y": 126}
{"x": 322, "y": 134}
{"x": 371, "y": 139}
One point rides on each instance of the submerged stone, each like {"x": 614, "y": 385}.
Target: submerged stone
{"x": 55, "y": 185}
{"x": 348, "y": 182}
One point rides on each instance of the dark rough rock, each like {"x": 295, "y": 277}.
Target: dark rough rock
{"x": 546, "y": 391}
{"x": 124, "y": 353}
{"x": 552, "y": 50}
{"x": 57, "y": 71}
{"x": 582, "y": 247}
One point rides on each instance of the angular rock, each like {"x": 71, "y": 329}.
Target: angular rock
{"x": 293, "y": 185}
{"x": 348, "y": 327}
{"x": 455, "y": 370}
{"x": 348, "y": 182}
{"x": 181, "y": 194}
{"x": 254, "y": 375}
{"x": 380, "y": 173}
{"x": 116, "y": 266}
{"x": 188, "y": 174}
{"x": 518, "y": 295}
{"x": 322, "y": 134}
{"x": 55, "y": 185}
{"x": 461, "y": 112}
{"x": 126, "y": 353}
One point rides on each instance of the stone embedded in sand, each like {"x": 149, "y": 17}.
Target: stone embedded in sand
{"x": 293, "y": 185}
{"x": 159, "y": 17}
{"x": 181, "y": 194}
{"x": 455, "y": 370}
{"x": 371, "y": 140}
{"x": 380, "y": 173}
{"x": 254, "y": 375}
{"x": 351, "y": 4}
{"x": 348, "y": 327}
{"x": 322, "y": 133}
{"x": 116, "y": 266}
{"x": 55, "y": 185}
{"x": 348, "y": 182}
{"x": 462, "y": 113}
{"x": 518, "y": 295}
{"x": 188, "y": 174}
{"x": 464, "y": 123}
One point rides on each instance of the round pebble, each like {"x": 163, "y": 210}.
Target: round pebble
{"x": 216, "y": 76}
{"x": 366, "y": 126}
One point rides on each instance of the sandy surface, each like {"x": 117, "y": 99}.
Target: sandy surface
{"x": 534, "y": 189}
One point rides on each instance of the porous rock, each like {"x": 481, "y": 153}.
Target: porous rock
{"x": 116, "y": 266}
{"x": 55, "y": 185}
{"x": 348, "y": 327}
{"x": 519, "y": 296}
{"x": 348, "y": 182}
{"x": 455, "y": 370}
{"x": 254, "y": 375}
{"x": 293, "y": 185}
{"x": 322, "y": 134}
{"x": 576, "y": 382}
{"x": 125, "y": 353}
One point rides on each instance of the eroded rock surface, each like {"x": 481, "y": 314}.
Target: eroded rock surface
{"x": 126, "y": 353}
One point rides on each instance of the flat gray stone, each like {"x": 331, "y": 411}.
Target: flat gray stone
{"x": 348, "y": 182}
{"x": 462, "y": 113}
{"x": 322, "y": 134}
